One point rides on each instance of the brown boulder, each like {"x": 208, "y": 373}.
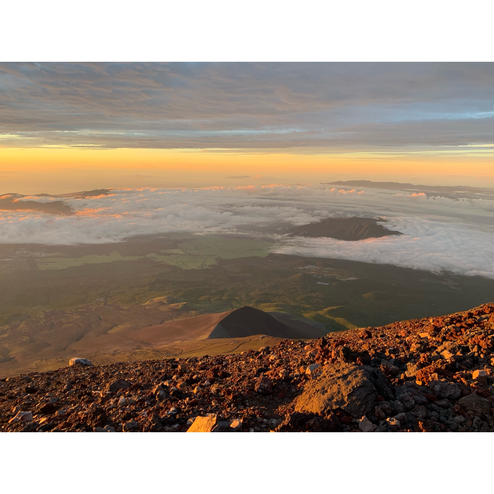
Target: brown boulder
{"x": 117, "y": 385}
{"x": 348, "y": 387}
{"x": 365, "y": 425}
{"x": 475, "y": 403}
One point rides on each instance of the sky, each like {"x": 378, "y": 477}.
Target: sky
{"x": 67, "y": 127}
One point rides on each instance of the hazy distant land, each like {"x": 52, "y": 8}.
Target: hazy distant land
{"x": 80, "y": 273}
{"x": 140, "y": 298}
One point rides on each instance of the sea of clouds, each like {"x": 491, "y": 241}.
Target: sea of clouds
{"x": 439, "y": 232}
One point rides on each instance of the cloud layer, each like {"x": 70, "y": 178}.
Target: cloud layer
{"x": 440, "y": 232}
{"x": 335, "y": 106}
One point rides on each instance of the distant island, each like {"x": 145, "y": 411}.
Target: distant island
{"x": 451, "y": 191}
{"x": 353, "y": 228}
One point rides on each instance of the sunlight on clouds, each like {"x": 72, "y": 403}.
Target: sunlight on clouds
{"x": 439, "y": 232}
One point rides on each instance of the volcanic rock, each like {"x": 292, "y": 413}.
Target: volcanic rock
{"x": 236, "y": 424}
{"x": 479, "y": 373}
{"x": 204, "y": 424}
{"x": 393, "y": 422}
{"x": 475, "y": 403}
{"x": 117, "y": 385}
{"x": 346, "y": 386}
{"x": 22, "y": 416}
{"x": 80, "y": 361}
{"x": 263, "y": 385}
{"x": 365, "y": 425}
{"x": 444, "y": 389}
{"x": 312, "y": 369}
{"x": 270, "y": 389}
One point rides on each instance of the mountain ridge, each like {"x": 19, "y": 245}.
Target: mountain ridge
{"x": 152, "y": 330}
{"x": 249, "y": 321}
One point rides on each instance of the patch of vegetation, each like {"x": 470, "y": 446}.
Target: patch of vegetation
{"x": 189, "y": 252}
{"x": 218, "y": 273}
{"x": 184, "y": 261}
{"x": 63, "y": 262}
{"x": 326, "y": 316}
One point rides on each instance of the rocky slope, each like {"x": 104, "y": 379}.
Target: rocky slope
{"x": 433, "y": 374}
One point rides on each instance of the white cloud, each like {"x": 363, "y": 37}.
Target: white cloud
{"x": 426, "y": 244}
{"x": 440, "y": 233}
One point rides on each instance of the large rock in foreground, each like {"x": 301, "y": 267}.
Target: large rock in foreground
{"x": 204, "y": 424}
{"x": 351, "y": 388}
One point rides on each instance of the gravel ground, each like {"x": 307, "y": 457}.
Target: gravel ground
{"x": 432, "y": 374}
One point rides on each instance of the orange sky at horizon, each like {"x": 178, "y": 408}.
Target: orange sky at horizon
{"x": 69, "y": 169}
{"x": 68, "y": 127}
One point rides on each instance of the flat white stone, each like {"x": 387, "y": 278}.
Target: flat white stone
{"x": 79, "y": 361}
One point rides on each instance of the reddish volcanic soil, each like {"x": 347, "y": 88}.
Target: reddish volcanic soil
{"x": 433, "y": 374}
